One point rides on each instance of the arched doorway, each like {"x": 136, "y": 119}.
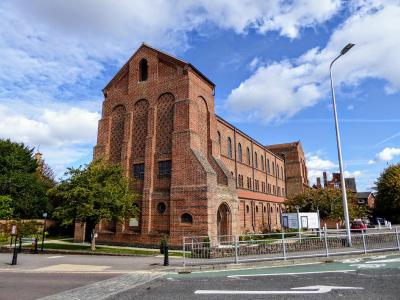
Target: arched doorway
{"x": 224, "y": 222}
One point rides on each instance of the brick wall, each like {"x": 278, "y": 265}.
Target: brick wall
{"x": 170, "y": 116}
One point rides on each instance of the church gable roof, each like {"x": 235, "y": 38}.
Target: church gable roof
{"x": 179, "y": 61}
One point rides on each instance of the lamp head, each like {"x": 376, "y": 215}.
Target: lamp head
{"x": 346, "y": 48}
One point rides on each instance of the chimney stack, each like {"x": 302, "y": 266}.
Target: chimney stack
{"x": 325, "y": 180}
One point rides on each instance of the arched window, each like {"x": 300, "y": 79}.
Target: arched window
{"x": 273, "y": 168}
{"x": 256, "y": 208}
{"x": 248, "y": 156}
{"x": 219, "y": 138}
{"x": 255, "y": 160}
{"x": 240, "y": 152}
{"x": 143, "y": 70}
{"x": 262, "y": 162}
{"x": 161, "y": 208}
{"x": 268, "y": 167}
{"x": 277, "y": 170}
{"x": 247, "y": 209}
{"x": 282, "y": 173}
{"x": 187, "y": 218}
{"x": 229, "y": 147}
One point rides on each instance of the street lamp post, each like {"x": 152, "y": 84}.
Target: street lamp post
{"x": 339, "y": 147}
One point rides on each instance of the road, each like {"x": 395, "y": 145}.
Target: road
{"x": 57, "y": 277}
{"x": 363, "y": 278}
{"x": 38, "y": 276}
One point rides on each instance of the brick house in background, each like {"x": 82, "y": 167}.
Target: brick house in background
{"x": 296, "y": 169}
{"x": 197, "y": 174}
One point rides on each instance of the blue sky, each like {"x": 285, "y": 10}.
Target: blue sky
{"x": 269, "y": 60}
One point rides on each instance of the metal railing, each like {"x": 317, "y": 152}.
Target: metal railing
{"x": 286, "y": 245}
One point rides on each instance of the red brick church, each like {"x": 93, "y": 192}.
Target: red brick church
{"x": 198, "y": 174}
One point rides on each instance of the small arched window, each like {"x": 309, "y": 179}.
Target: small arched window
{"x": 143, "y": 70}
{"x": 255, "y": 160}
{"x": 256, "y": 208}
{"x": 268, "y": 167}
{"x": 247, "y": 209}
{"x": 282, "y": 173}
{"x": 219, "y": 138}
{"x": 229, "y": 147}
{"x": 187, "y": 218}
{"x": 273, "y": 168}
{"x": 248, "y": 156}
{"x": 240, "y": 152}
{"x": 262, "y": 162}
{"x": 277, "y": 171}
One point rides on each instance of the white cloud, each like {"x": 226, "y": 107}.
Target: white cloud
{"x": 275, "y": 91}
{"x": 317, "y": 165}
{"x": 355, "y": 174}
{"x": 350, "y": 107}
{"x": 388, "y": 154}
{"x": 50, "y": 128}
{"x": 283, "y": 88}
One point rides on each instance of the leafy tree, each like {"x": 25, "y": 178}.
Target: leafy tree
{"x": 6, "y": 210}
{"x": 387, "y": 203}
{"x": 21, "y": 180}
{"x": 328, "y": 201}
{"x": 100, "y": 191}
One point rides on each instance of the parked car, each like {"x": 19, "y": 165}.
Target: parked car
{"x": 358, "y": 225}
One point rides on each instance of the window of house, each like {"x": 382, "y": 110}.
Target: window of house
{"x": 256, "y": 209}
{"x": 219, "y": 138}
{"x": 282, "y": 173}
{"x": 279, "y": 191}
{"x": 187, "y": 218}
{"x": 274, "y": 189}
{"x": 240, "y": 152}
{"x": 277, "y": 171}
{"x": 164, "y": 168}
{"x": 255, "y": 160}
{"x": 262, "y": 163}
{"x": 273, "y": 168}
{"x": 229, "y": 147}
{"x": 268, "y": 167}
{"x": 248, "y": 156}
{"x": 138, "y": 171}
{"x": 247, "y": 209}
{"x": 161, "y": 208}
{"x": 143, "y": 70}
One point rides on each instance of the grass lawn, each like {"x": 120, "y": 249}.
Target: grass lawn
{"x": 105, "y": 249}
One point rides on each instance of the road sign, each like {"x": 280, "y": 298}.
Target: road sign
{"x": 14, "y": 230}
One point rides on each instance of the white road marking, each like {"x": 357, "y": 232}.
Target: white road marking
{"x": 390, "y": 260}
{"x": 73, "y": 268}
{"x": 56, "y": 256}
{"x": 294, "y": 273}
{"x": 368, "y": 266}
{"x": 316, "y": 289}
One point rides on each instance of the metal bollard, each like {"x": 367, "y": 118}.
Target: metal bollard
{"x": 15, "y": 254}
{"x": 166, "y": 258}
{"x": 35, "y": 250}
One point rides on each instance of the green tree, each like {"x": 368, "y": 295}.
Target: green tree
{"x": 100, "y": 191}
{"x": 21, "y": 180}
{"x": 328, "y": 201}
{"x": 6, "y": 210}
{"x": 387, "y": 203}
